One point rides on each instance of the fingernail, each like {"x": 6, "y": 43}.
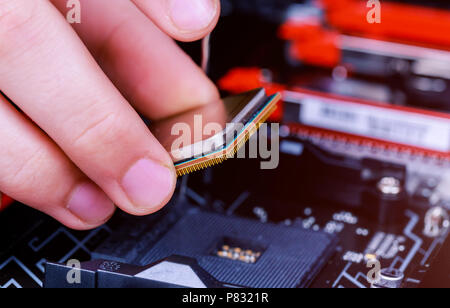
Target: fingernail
{"x": 90, "y": 204}
{"x": 192, "y": 15}
{"x": 148, "y": 184}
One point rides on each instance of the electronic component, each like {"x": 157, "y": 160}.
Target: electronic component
{"x": 405, "y": 21}
{"x": 235, "y": 251}
{"x": 406, "y": 129}
{"x": 437, "y": 222}
{"x": 278, "y": 256}
{"x": 213, "y": 133}
{"x": 411, "y": 65}
{"x": 173, "y": 272}
{"x": 389, "y": 279}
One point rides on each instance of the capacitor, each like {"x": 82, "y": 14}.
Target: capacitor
{"x": 386, "y": 200}
{"x": 436, "y": 222}
{"x": 390, "y": 278}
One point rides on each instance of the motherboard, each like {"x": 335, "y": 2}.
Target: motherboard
{"x": 250, "y": 228}
{"x": 360, "y": 193}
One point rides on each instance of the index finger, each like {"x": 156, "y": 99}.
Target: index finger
{"x": 184, "y": 20}
{"x": 50, "y": 75}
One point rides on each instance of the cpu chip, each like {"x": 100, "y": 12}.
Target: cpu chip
{"x": 209, "y": 135}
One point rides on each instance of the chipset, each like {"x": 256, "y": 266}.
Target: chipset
{"x": 211, "y": 134}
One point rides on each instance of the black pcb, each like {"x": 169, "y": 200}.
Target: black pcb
{"x": 244, "y": 252}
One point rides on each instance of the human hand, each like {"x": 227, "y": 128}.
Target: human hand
{"x": 79, "y": 147}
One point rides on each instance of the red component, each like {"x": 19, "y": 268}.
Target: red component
{"x": 399, "y": 22}
{"x": 320, "y": 51}
{"x": 410, "y": 110}
{"x": 311, "y": 43}
{"x": 316, "y": 44}
{"x": 244, "y": 79}
{"x": 301, "y": 30}
{"x": 277, "y": 114}
{"x": 240, "y": 80}
{"x": 6, "y": 201}
{"x": 303, "y": 130}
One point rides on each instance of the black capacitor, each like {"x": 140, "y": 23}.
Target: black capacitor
{"x": 385, "y": 197}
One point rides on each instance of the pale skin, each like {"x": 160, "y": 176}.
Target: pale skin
{"x": 78, "y": 149}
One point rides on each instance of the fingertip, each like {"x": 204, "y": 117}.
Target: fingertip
{"x": 183, "y": 20}
{"x": 149, "y": 186}
{"x": 90, "y": 205}
{"x": 193, "y": 19}
{"x": 209, "y": 93}
{"x": 72, "y": 221}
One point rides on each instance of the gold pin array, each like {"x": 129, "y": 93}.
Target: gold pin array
{"x": 227, "y": 154}
{"x": 238, "y": 254}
